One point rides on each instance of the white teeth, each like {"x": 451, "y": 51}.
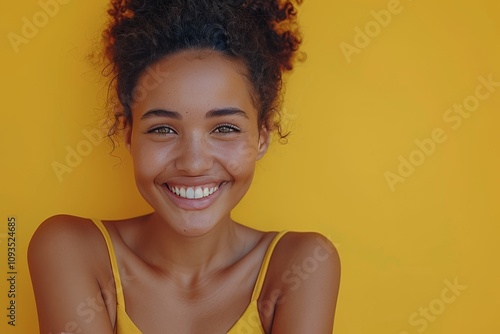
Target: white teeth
{"x": 193, "y": 193}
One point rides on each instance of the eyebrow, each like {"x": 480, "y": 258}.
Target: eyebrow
{"x": 213, "y": 113}
{"x": 225, "y": 112}
{"x": 161, "y": 113}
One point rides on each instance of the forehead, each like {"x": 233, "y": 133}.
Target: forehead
{"x": 193, "y": 81}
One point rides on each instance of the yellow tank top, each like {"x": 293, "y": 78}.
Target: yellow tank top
{"x": 248, "y": 323}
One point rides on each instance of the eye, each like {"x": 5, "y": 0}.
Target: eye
{"x": 226, "y": 128}
{"x": 162, "y": 130}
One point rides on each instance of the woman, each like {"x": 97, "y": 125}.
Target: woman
{"x": 199, "y": 84}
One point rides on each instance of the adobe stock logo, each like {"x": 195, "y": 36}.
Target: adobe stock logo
{"x": 363, "y": 37}
{"x": 75, "y": 155}
{"x": 421, "y": 319}
{"x": 31, "y": 27}
{"x": 153, "y": 76}
{"x": 454, "y": 117}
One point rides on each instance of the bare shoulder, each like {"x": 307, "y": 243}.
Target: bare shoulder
{"x": 305, "y": 271}
{"x": 68, "y": 264}
{"x": 65, "y": 223}
{"x": 307, "y": 249}
{"x": 63, "y": 240}
{"x": 64, "y": 232}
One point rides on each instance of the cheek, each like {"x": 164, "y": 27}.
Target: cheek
{"x": 240, "y": 158}
{"x": 147, "y": 160}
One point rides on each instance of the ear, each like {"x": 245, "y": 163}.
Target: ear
{"x": 127, "y": 135}
{"x": 264, "y": 140}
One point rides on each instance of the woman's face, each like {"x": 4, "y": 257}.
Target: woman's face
{"x": 194, "y": 139}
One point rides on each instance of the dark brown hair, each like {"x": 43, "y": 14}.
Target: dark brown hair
{"x": 261, "y": 33}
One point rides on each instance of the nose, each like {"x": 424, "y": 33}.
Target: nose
{"x": 193, "y": 156}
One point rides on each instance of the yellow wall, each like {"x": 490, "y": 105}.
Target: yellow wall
{"x": 356, "y": 108}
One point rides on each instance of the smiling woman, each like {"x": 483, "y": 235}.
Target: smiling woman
{"x": 194, "y": 137}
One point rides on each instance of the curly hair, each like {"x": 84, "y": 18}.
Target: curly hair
{"x": 264, "y": 34}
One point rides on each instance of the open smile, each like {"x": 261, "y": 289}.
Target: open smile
{"x": 194, "y": 192}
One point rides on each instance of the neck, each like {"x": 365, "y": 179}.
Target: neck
{"x": 189, "y": 258}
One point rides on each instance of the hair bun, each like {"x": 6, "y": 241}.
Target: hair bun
{"x": 237, "y": 3}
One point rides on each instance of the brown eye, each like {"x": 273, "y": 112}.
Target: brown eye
{"x": 162, "y": 130}
{"x": 226, "y": 128}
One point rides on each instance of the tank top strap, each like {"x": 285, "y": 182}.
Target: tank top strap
{"x": 114, "y": 263}
{"x": 265, "y": 265}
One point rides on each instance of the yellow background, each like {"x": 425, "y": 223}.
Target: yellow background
{"x": 351, "y": 122}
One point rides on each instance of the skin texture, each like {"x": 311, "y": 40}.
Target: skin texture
{"x": 187, "y": 266}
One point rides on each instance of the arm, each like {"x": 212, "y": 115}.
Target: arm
{"x": 309, "y": 283}
{"x": 62, "y": 263}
